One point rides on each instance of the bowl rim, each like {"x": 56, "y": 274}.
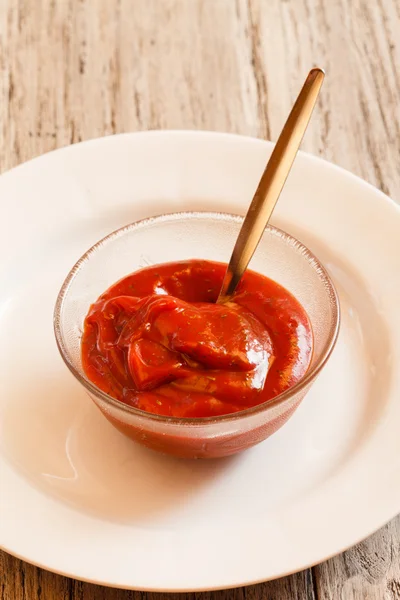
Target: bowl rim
{"x": 283, "y": 397}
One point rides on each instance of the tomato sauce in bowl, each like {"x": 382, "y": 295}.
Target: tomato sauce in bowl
{"x": 157, "y": 341}
{"x": 170, "y": 368}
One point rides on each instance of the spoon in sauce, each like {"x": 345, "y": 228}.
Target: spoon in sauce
{"x": 271, "y": 183}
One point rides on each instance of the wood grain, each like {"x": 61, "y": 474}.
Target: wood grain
{"x": 71, "y": 70}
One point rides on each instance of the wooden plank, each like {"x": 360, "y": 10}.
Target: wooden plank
{"x": 369, "y": 570}
{"x": 73, "y": 70}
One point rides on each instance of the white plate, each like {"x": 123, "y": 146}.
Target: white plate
{"x": 78, "y": 498}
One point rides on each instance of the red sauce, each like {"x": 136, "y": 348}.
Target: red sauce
{"x": 157, "y": 341}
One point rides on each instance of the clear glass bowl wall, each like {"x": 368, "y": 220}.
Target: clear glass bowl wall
{"x": 186, "y": 236}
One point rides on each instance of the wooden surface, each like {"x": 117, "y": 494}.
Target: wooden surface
{"x": 77, "y": 69}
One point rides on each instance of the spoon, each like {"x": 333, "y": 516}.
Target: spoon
{"x": 271, "y": 183}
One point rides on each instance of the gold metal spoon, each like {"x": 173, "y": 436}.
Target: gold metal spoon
{"x": 271, "y": 183}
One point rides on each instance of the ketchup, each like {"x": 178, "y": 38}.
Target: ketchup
{"x": 156, "y": 340}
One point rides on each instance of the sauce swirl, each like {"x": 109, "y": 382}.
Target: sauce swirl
{"x": 157, "y": 341}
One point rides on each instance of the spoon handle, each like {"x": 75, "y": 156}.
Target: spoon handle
{"x": 271, "y": 183}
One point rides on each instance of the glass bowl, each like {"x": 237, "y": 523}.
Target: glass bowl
{"x": 183, "y": 236}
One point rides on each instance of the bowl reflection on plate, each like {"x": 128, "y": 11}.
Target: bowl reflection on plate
{"x": 184, "y": 236}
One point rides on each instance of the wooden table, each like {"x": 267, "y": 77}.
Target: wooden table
{"x": 78, "y": 69}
